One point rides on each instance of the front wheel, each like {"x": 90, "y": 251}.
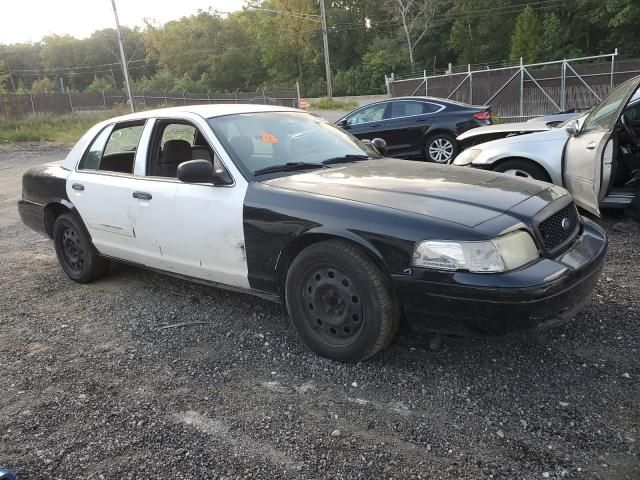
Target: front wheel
{"x": 76, "y": 254}
{"x": 341, "y": 303}
{"x": 520, "y": 167}
{"x": 441, "y": 148}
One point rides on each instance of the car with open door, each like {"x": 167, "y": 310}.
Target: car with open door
{"x": 416, "y": 127}
{"x": 596, "y": 156}
{"x": 281, "y": 204}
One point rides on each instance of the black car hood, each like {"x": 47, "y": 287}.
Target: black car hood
{"x": 459, "y": 194}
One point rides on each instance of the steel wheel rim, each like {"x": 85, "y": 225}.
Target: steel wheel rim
{"x": 517, "y": 172}
{"x": 333, "y": 305}
{"x": 440, "y": 150}
{"x": 72, "y": 252}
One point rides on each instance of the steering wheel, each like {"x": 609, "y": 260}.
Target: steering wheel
{"x": 627, "y": 128}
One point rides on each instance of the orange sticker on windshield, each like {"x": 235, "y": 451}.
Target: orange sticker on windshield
{"x": 268, "y": 138}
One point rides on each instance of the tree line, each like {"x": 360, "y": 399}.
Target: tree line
{"x": 223, "y": 52}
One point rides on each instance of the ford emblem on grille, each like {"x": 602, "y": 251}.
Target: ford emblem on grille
{"x": 566, "y": 223}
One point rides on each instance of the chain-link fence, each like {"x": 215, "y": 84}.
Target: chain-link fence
{"x": 13, "y": 106}
{"x": 519, "y": 92}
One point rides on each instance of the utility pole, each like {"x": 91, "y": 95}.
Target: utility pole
{"x": 6, "y": 61}
{"x": 123, "y": 59}
{"x": 325, "y": 41}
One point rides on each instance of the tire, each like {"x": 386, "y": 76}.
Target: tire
{"x": 77, "y": 256}
{"x": 520, "y": 167}
{"x": 440, "y": 148}
{"x": 341, "y": 303}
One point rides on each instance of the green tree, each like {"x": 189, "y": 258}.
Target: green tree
{"x": 553, "y": 39}
{"x": 4, "y": 78}
{"x": 526, "y": 40}
{"x": 99, "y": 84}
{"x": 43, "y": 85}
{"x": 479, "y": 38}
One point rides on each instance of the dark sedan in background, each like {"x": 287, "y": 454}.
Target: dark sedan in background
{"x": 423, "y": 127}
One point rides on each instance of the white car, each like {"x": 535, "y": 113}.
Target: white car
{"x": 596, "y": 157}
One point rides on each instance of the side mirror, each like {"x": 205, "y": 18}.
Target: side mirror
{"x": 201, "y": 171}
{"x": 573, "y": 128}
{"x": 342, "y": 123}
{"x": 380, "y": 145}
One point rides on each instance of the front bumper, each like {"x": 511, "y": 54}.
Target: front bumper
{"x": 542, "y": 295}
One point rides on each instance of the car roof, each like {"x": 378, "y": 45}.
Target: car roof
{"x": 205, "y": 111}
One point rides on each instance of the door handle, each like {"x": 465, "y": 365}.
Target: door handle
{"x": 77, "y": 186}
{"x": 142, "y": 195}
{"x": 591, "y": 145}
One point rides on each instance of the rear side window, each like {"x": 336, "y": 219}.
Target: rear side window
{"x": 410, "y": 108}
{"x": 113, "y": 151}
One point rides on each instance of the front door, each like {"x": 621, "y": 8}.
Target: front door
{"x": 191, "y": 229}
{"x": 589, "y": 151}
{"x": 368, "y": 122}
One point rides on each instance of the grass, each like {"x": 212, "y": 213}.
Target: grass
{"x": 48, "y": 128}
{"x": 326, "y": 104}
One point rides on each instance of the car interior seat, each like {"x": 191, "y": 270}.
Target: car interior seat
{"x": 174, "y": 152}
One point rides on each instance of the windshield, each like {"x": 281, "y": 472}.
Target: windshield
{"x": 257, "y": 141}
{"x": 605, "y": 115}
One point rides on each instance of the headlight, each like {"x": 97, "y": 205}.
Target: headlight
{"x": 501, "y": 254}
{"x": 467, "y": 156}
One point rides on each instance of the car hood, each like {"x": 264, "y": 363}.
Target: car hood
{"x": 525, "y": 127}
{"x": 462, "y": 195}
{"x": 551, "y": 138}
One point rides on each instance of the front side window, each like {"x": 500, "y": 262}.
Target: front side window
{"x": 605, "y": 115}
{"x": 115, "y": 150}
{"x": 261, "y": 140}
{"x": 177, "y": 142}
{"x": 372, "y": 113}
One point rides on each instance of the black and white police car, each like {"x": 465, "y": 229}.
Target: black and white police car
{"x": 280, "y": 203}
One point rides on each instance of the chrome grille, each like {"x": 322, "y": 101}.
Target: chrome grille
{"x": 560, "y": 227}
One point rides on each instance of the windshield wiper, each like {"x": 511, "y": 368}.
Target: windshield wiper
{"x": 288, "y": 167}
{"x": 345, "y": 159}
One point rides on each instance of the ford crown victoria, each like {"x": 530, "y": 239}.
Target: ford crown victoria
{"x": 280, "y": 203}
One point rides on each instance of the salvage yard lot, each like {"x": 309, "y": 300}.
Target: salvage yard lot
{"x": 97, "y": 382}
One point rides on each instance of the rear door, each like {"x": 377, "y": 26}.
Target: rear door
{"x": 368, "y": 122}
{"x": 407, "y": 125}
{"x": 591, "y": 150}
{"x": 101, "y": 189}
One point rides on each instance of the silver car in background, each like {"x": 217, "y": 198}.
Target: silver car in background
{"x": 595, "y": 156}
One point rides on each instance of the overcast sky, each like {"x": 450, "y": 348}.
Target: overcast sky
{"x": 30, "y": 20}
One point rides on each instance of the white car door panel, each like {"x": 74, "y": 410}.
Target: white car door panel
{"x": 104, "y": 202}
{"x": 192, "y": 229}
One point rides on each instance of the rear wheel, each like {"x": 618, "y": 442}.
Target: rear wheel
{"x": 520, "y": 167}
{"x": 77, "y": 256}
{"x": 340, "y": 302}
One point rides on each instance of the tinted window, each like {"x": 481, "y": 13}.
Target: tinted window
{"x": 407, "y": 108}
{"x": 372, "y": 113}
{"x": 259, "y": 140}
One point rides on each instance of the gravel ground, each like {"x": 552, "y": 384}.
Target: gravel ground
{"x": 93, "y": 386}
